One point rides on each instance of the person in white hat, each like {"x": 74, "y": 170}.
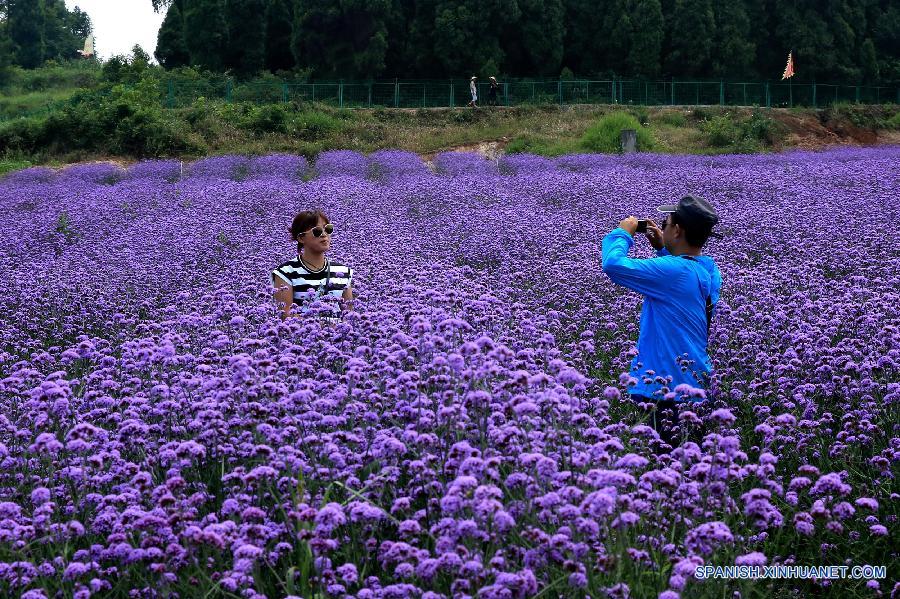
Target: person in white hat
{"x": 474, "y": 91}
{"x": 492, "y": 92}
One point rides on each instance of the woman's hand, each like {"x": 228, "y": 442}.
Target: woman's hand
{"x": 284, "y": 296}
{"x": 655, "y": 235}
{"x": 347, "y": 296}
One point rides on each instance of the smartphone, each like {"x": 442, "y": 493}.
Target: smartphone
{"x": 642, "y": 225}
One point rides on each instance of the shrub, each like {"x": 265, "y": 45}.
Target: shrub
{"x": 894, "y": 122}
{"x": 641, "y": 114}
{"x": 742, "y": 135}
{"x": 268, "y": 118}
{"x": 761, "y": 128}
{"x": 605, "y": 134}
{"x": 125, "y": 120}
{"x": 673, "y": 119}
{"x": 58, "y": 76}
{"x": 24, "y": 135}
{"x": 312, "y": 125}
{"x": 700, "y": 114}
{"x": 721, "y": 131}
{"x": 526, "y": 144}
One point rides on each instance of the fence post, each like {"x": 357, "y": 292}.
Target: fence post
{"x": 697, "y": 92}
{"x": 672, "y": 92}
{"x": 814, "y": 96}
{"x": 396, "y": 93}
{"x": 612, "y": 99}
{"x": 532, "y": 91}
{"x": 170, "y": 94}
{"x": 452, "y": 99}
{"x": 370, "y": 94}
{"x": 284, "y": 93}
{"x": 341, "y": 93}
{"x": 768, "y": 97}
{"x": 646, "y": 94}
{"x": 721, "y": 93}
{"x": 228, "y": 85}
{"x": 857, "y": 94}
{"x": 559, "y": 91}
{"x": 313, "y": 92}
{"x": 423, "y": 94}
{"x": 745, "y": 94}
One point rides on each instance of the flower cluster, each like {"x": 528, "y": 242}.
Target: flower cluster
{"x": 463, "y": 432}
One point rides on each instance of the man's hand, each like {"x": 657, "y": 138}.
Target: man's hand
{"x": 655, "y": 235}
{"x": 629, "y": 224}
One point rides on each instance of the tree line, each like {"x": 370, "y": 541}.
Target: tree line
{"x": 34, "y": 31}
{"x": 832, "y": 40}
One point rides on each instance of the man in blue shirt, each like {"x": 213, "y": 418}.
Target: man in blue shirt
{"x": 680, "y": 288}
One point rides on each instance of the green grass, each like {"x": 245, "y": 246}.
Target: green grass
{"x": 27, "y": 103}
{"x": 7, "y": 166}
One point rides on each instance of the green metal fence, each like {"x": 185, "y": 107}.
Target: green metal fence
{"x": 453, "y": 93}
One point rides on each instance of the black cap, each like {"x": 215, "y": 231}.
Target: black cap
{"x": 694, "y": 213}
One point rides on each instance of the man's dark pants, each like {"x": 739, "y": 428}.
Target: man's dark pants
{"x": 664, "y": 419}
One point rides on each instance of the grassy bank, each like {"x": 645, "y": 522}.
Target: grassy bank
{"x": 128, "y": 123}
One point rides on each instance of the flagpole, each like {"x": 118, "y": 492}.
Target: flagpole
{"x": 791, "y": 79}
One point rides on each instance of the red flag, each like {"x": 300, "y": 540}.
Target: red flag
{"x": 789, "y": 69}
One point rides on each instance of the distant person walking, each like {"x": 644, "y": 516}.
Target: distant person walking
{"x": 492, "y": 92}
{"x": 473, "y": 89}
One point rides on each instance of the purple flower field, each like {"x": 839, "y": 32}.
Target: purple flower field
{"x": 463, "y": 432}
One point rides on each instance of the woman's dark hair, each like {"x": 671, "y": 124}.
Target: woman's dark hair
{"x": 695, "y": 237}
{"x": 304, "y": 221}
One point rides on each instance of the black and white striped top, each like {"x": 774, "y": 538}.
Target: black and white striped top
{"x": 308, "y": 285}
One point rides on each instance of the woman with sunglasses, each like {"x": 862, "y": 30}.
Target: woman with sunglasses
{"x": 312, "y": 275}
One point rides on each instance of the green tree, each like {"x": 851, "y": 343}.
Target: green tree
{"x": 467, "y": 34}
{"x": 869, "y": 61}
{"x": 846, "y": 22}
{"x": 800, "y": 27}
{"x": 6, "y": 55}
{"x": 886, "y": 36}
{"x": 768, "y": 56}
{"x": 341, "y": 38}
{"x": 411, "y": 49}
{"x": 171, "y": 50}
{"x": 205, "y": 33}
{"x": 246, "y": 50}
{"x": 80, "y": 23}
{"x": 533, "y": 43}
{"x": 278, "y": 36}
{"x": 60, "y": 41}
{"x": 646, "y": 39}
{"x": 734, "y": 50}
{"x": 691, "y": 32}
{"x": 583, "y": 51}
{"x": 26, "y": 31}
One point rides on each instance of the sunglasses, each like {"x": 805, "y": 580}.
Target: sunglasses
{"x": 319, "y": 231}
{"x": 668, "y": 220}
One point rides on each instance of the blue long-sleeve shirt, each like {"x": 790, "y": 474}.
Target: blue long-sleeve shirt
{"x": 673, "y": 317}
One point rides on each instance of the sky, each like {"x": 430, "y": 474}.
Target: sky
{"x": 120, "y": 24}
